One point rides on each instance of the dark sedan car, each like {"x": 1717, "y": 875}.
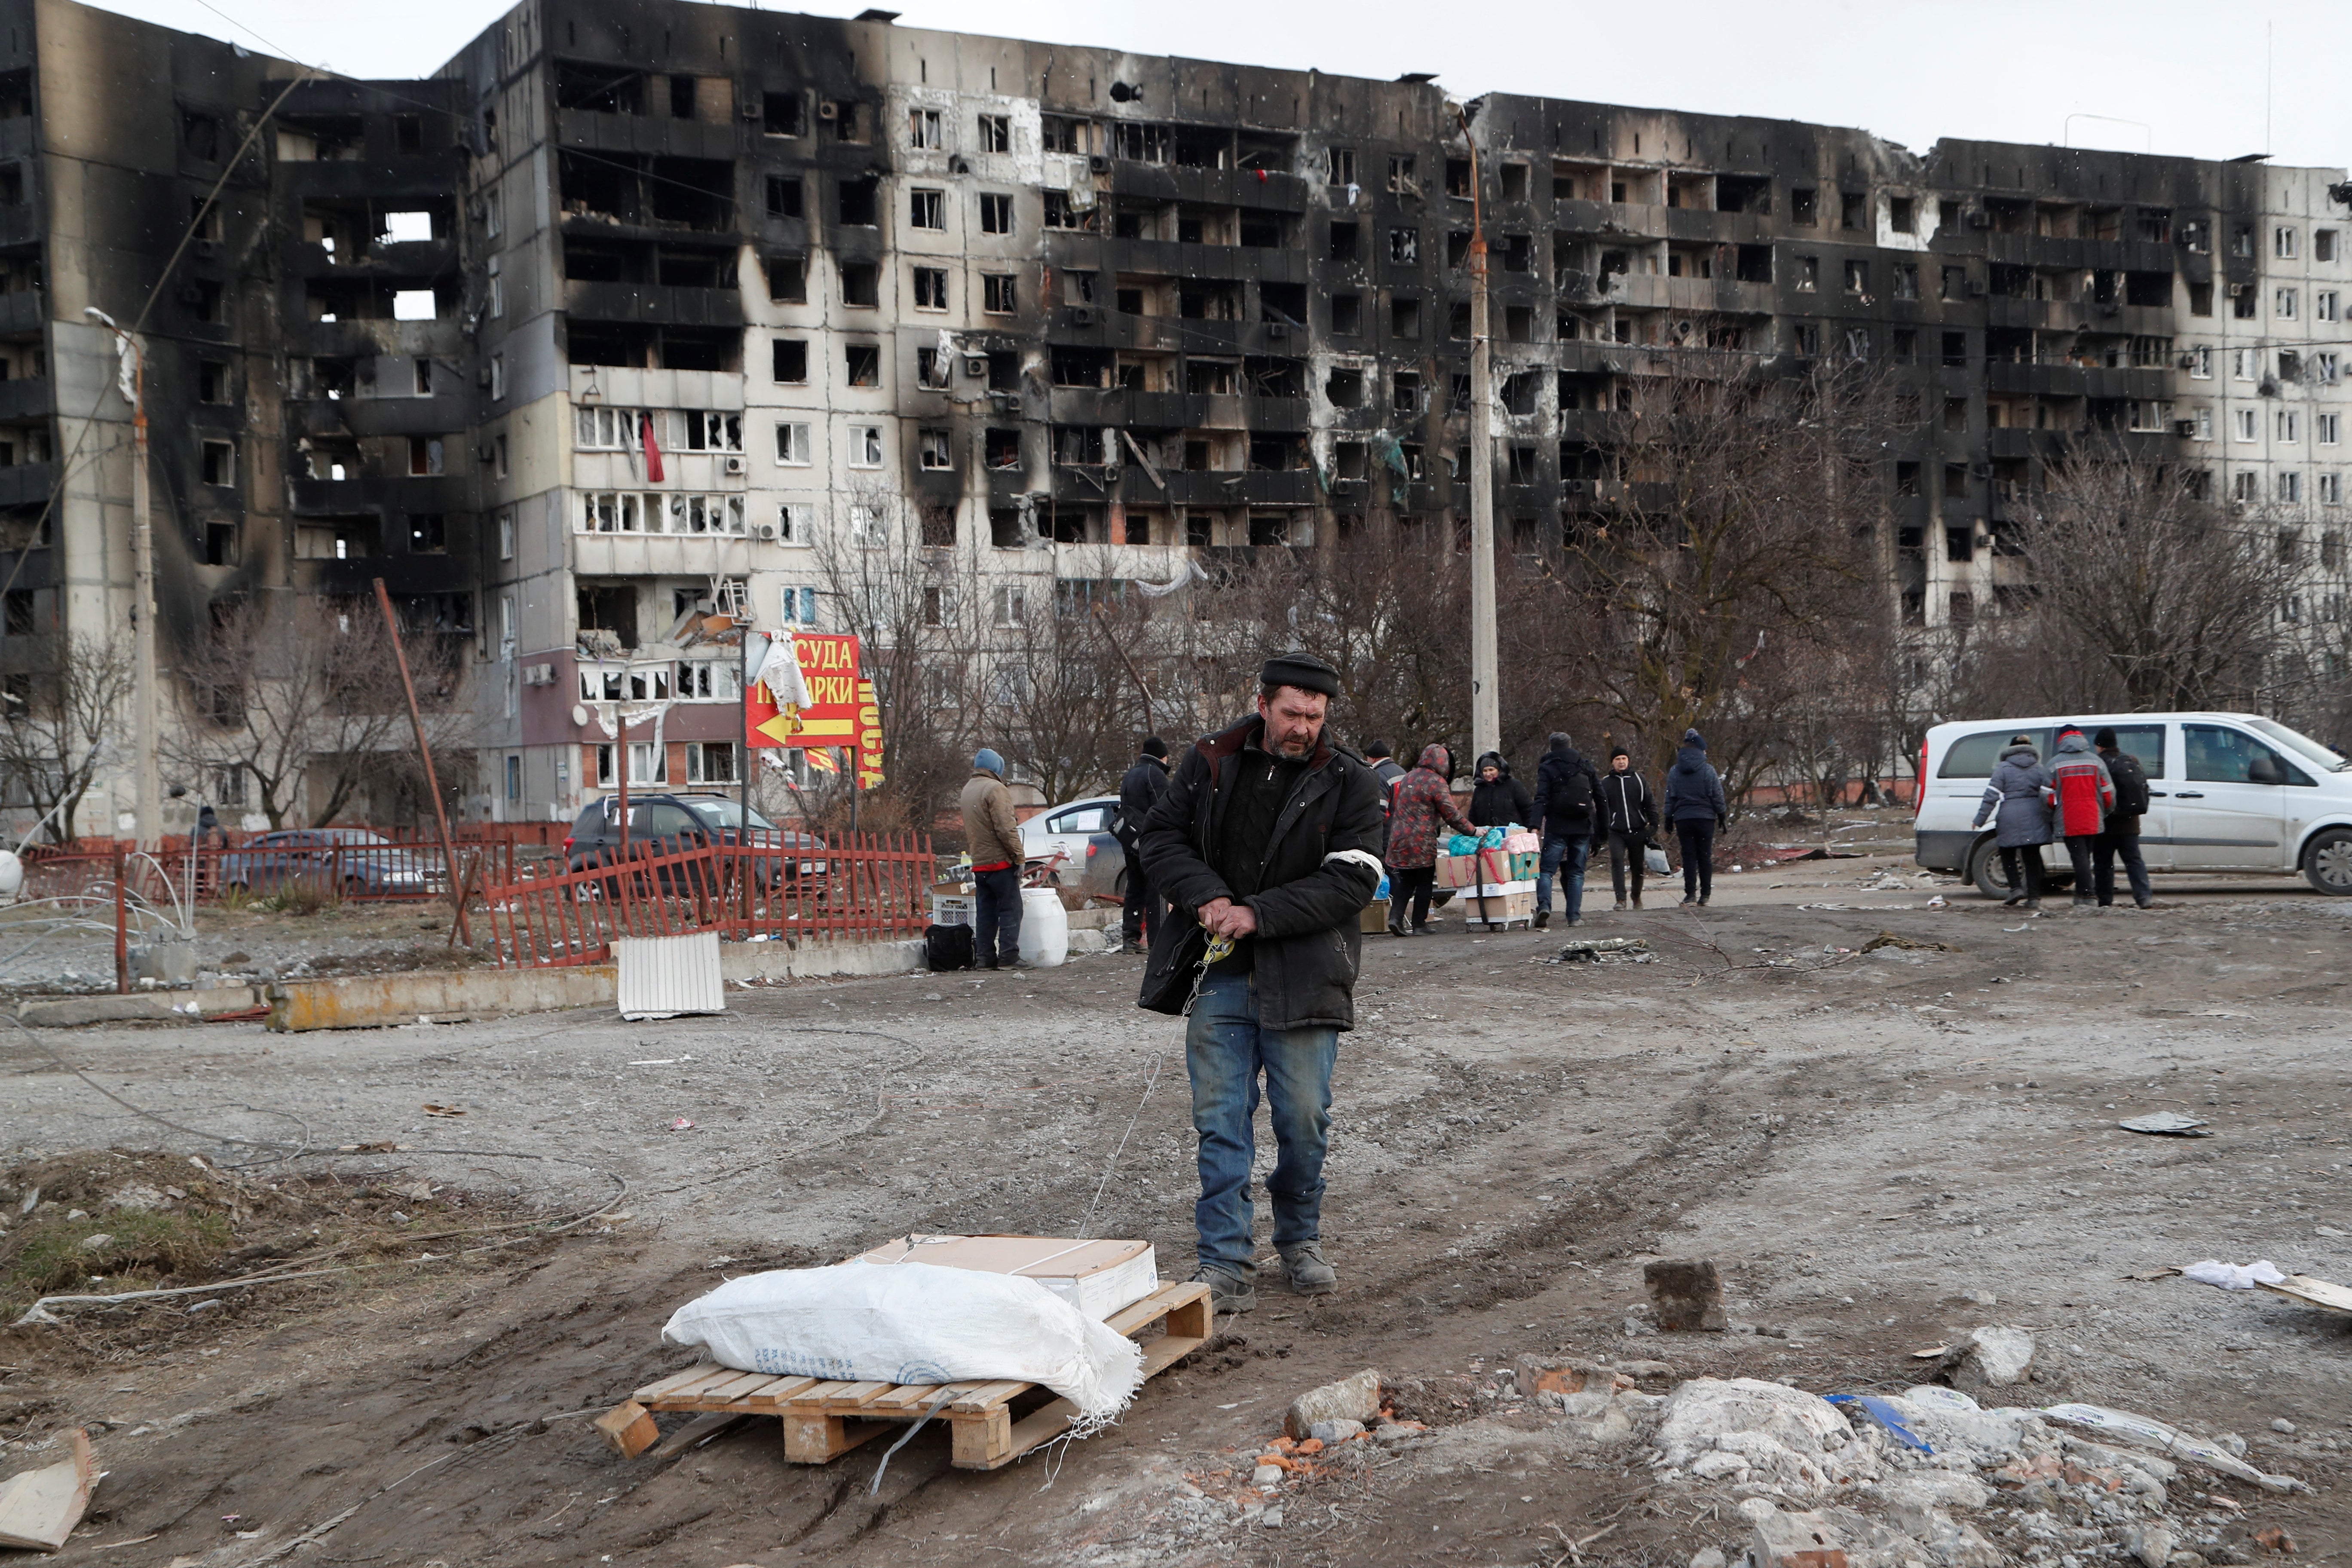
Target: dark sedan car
{"x": 669, "y": 824}
{"x": 359, "y": 863}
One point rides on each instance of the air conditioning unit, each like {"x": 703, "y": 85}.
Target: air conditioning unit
{"x": 753, "y": 108}
{"x": 205, "y": 246}
{"x": 1098, "y": 163}
{"x": 192, "y": 295}
{"x": 1980, "y": 220}
{"x": 1976, "y": 289}
{"x": 765, "y": 531}
{"x": 2238, "y": 289}
{"x": 1111, "y": 475}
{"x": 828, "y": 110}
{"x": 1082, "y": 315}
{"x": 1006, "y": 402}
{"x": 1276, "y": 332}
{"x": 2185, "y": 361}
{"x": 975, "y": 364}
{"x": 734, "y": 465}
{"x": 539, "y": 675}
{"x": 2184, "y": 428}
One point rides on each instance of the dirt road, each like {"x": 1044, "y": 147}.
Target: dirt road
{"x": 1882, "y": 1148}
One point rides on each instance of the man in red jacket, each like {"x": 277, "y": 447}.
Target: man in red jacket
{"x": 2081, "y": 793}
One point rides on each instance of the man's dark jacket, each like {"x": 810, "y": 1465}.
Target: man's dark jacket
{"x": 1321, "y": 867}
{"x": 2131, "y": 794}
{"x": 1139, "y": 792}
{"x": 1559, "y": 819}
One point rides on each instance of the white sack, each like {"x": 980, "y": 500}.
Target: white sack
{"x": 913, "y": 1323}
{"x": 2233, "y": 1276}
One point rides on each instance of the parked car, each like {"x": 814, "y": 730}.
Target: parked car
{"x": 1092, "y": 860}
{"x": 668, "y": 824}
{"x": 2227, "y": 791}
{"x": 358, "y": 862}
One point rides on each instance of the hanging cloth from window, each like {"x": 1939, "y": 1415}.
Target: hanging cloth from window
{"x": 653, "y": 448}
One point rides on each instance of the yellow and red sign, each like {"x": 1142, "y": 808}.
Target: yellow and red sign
{"x": 869, "y": 737}
{"x": 828, "y": 662}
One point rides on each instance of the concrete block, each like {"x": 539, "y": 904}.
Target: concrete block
{"x": 1688, "y": 1294}
{"x": 443, "y": 996}
{"x": 138, "y": 1008}
{"x": 1990, "y": 1358}
{"x": 1356, "y": 1398}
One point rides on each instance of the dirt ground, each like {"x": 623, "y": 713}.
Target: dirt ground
{"x": 1882, "y": 1150}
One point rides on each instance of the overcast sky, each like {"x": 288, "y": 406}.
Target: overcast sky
{"x": 2199, "y": 79}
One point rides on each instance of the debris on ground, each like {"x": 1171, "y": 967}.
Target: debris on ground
{"x": 1687, "y": 1293}
{"x": 2233, "y": 1276}
{"x": 2311, "y": 1292}
{"x": 2166, "y": 1124}
{"x": 38, "y": 1509}
{"x": 1990, "y": 1358}
{"x": 1356, "y": 1398}
{"x": 1606, "y": 950}
{"x": 1888, "y": 939}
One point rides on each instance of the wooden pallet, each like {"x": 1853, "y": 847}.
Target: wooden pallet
{"x": 823, "y": 1420}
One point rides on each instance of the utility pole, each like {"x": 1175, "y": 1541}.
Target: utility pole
{"x": 1485, "y": 698}
{"x": 148, "y": 803}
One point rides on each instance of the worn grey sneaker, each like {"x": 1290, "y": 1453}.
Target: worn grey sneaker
{"x": 1308, "y": 1273}
{"x": 1227, "y": 1292}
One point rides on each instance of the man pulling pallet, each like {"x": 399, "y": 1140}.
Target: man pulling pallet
{"x": 1266, "y": 845}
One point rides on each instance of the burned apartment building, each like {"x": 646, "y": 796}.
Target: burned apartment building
{"x": 639, "y": 312}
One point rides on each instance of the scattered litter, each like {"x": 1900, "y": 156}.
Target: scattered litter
{"x": 1938, "y": 901}
{"x": 2166, "y": 1124}
{"x": 2145, "y": 1274}
{"x": 2149, "y": 1433}
{"x": 2311, "y": 1292}
{"x": 431, "y": 1109}
{"x": 2224, "y": 1012}
{"x": 1606, "y": 950}
{"x": 1820, "y": 906}
{"x": 681, "y": 1125}
{"x": 38, "y": 1509}
{"x": 1888, "y": 939}
{"x": 2233, "y": 1276}
{"x": 656, "y": 1062}
{"x": 1886, "y": 1416}
{"x": 1930, "y": 1353}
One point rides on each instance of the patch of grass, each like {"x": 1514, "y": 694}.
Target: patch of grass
{"x": 45, "y": 1256}
{"x": 307, "y": 897}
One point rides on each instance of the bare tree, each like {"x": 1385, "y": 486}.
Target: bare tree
{"x": 63, "y": 713}
{"x": 307, "y": 692}
{"x": 1727, "y": 554}
{"x": 2151, "y": 595}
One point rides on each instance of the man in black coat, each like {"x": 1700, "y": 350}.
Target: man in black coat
{"x": 1139, "y": 792}
{"x": 1267, "y": 844}
{"x": 1566, "y": 809}
{"x": 2119, "y": 836}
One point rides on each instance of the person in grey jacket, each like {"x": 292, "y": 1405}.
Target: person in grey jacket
{"x": 1696, "y": 805}
{"x": 2023, "y": 824}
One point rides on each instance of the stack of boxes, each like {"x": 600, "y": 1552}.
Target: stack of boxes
{"x": 1497, "y": 884}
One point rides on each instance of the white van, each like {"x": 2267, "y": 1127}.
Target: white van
{"x": 2227, "y": 791}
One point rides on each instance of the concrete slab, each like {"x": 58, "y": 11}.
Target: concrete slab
{"x": 138, "y": 1006}
{"x": 817, "y": 961}
{"x": 438, "y": 996}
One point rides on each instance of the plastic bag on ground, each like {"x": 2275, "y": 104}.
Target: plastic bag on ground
{"x": 913, "y": 1323}
{"x": 2233, "y": 1276}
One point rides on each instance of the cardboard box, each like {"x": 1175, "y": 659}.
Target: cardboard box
{"x": 1456, "y": 870}
{"x": 1375, "y": 918}
{"x": 1525, "y": 864}
{"x": 1098, "y": 1278}
{"x": 1497, "y": 909}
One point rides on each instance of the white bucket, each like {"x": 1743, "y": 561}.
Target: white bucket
{"x": 1045, "y": 928}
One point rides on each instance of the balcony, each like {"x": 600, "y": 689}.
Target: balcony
{"x": 27, "y": 310}
{"x": 369, "y": 493}
{"x": 1209, "y": 187}
{"x": 1168, "y": 258}
{"x": 654, "y": 304}
{"x": 1214, "y": 488}
{"x": 657, "y": 134}
{"x": 26, "y": 398}
{"x": 26, "y": 483}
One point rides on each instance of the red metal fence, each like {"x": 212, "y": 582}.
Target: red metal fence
{"x": 857, "y": 885}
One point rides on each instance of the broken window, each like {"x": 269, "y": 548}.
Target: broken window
{"x": 1956, "y": 348}
{"x": 1519, "y": 253}
{"x": 924, "y": 131}
{"x": 1954, "y": 283}
{"x": 1457, "y": 320}
{"x": 995, "y": 213}
{"x": 2323, "y": 244}
{"x": 1059, "y": 134}
{"x": 1343, "y": 241}
{"x": 1809, "y": 273}
{"x": 212, "y": 381}
{"x": 1520, "y": 392}
{"x": 1347, "y": 314}
{"x": 1404, "y": 244}
{"x": 1801, "y": 203}
{"x": 1906, "y": 281}
{"x": 601, "y": 90}
{"x": 1857, "y": 277}
{"x": 1903, "y": 215}
{"x": 2197, "y": 236}
{"x": 1404, "y": 392}
{"x": 425, "y": 456}
{"x": 1400, "y": 176}
{"x": 931, "y": 288}
{"x": 1854, "y": 210}
{"x": 1808, "y": 338}
{"x": 1514, "y": 178}
{"x": 782, "y": 114}
{"x": 1000, "y": 448}
{"x": 1404, "y": 317}
{"x": 787, "y": 280}
{"x": 1755, "y": 264}
{"x": 856, "y": 204}
{"x": 927, "y": 209}
{"x": 998, "y": 295}
{"x": 219, "y": 460}
{"x": 1458, "y": 247}
{"x": 200, "y": 136}
{"x": 863, "y": 363}
{"x": 935, "y": 449}
{"x": 861, "y": 284}
{"x": 793, "y": 449}
{"x": 1140, "y": 142}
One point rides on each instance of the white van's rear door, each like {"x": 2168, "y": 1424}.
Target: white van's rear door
{"x": 2222, "y": 820}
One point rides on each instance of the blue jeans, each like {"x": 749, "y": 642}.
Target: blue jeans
{"x": 1566, "y": 857}
{"x": 995, "y": 917}
{"x": 1224, "y": 1051}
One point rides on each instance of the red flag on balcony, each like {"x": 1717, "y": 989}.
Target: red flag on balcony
{"x": 653, "y": 448}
